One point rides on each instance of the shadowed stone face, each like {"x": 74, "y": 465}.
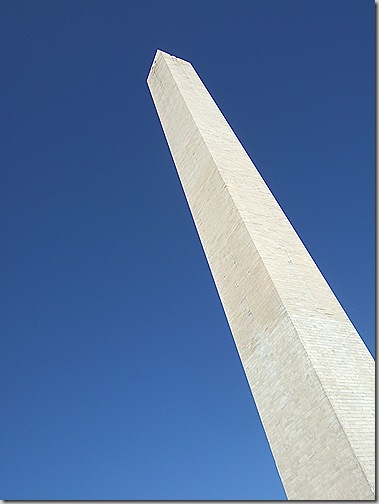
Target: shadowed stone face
{"x": 309, "y": 371}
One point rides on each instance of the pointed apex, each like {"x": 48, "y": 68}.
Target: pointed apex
{"x": 167, "y": 57}
{"x": 162, "y": 53}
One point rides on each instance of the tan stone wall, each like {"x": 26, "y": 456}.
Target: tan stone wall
{"x": 309, "y": 371}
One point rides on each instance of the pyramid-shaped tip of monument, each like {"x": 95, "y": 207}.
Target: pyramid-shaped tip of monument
{"x": 162, "y": 53}
{"x": 166, "y": 55}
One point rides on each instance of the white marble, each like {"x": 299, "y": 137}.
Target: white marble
{"x": 309, "y": 371}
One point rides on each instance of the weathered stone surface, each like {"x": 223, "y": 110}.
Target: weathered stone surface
{"x": 309, "y": 371}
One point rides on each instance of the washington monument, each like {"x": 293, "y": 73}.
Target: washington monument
{"x": 310, "y": 373}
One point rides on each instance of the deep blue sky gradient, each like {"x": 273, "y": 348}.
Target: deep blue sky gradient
{"x": 120, "y": 376}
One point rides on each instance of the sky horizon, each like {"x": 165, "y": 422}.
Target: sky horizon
{"x": 121, "y": 377}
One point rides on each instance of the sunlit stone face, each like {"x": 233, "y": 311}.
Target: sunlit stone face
{"x": 309, "y": 371}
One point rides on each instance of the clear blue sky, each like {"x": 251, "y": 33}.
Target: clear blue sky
{"x": 120, "y": 376}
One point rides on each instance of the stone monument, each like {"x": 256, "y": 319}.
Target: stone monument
{"x": 311, "y": 375}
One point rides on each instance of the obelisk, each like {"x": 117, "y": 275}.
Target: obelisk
{"x": 311, "y": 375}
